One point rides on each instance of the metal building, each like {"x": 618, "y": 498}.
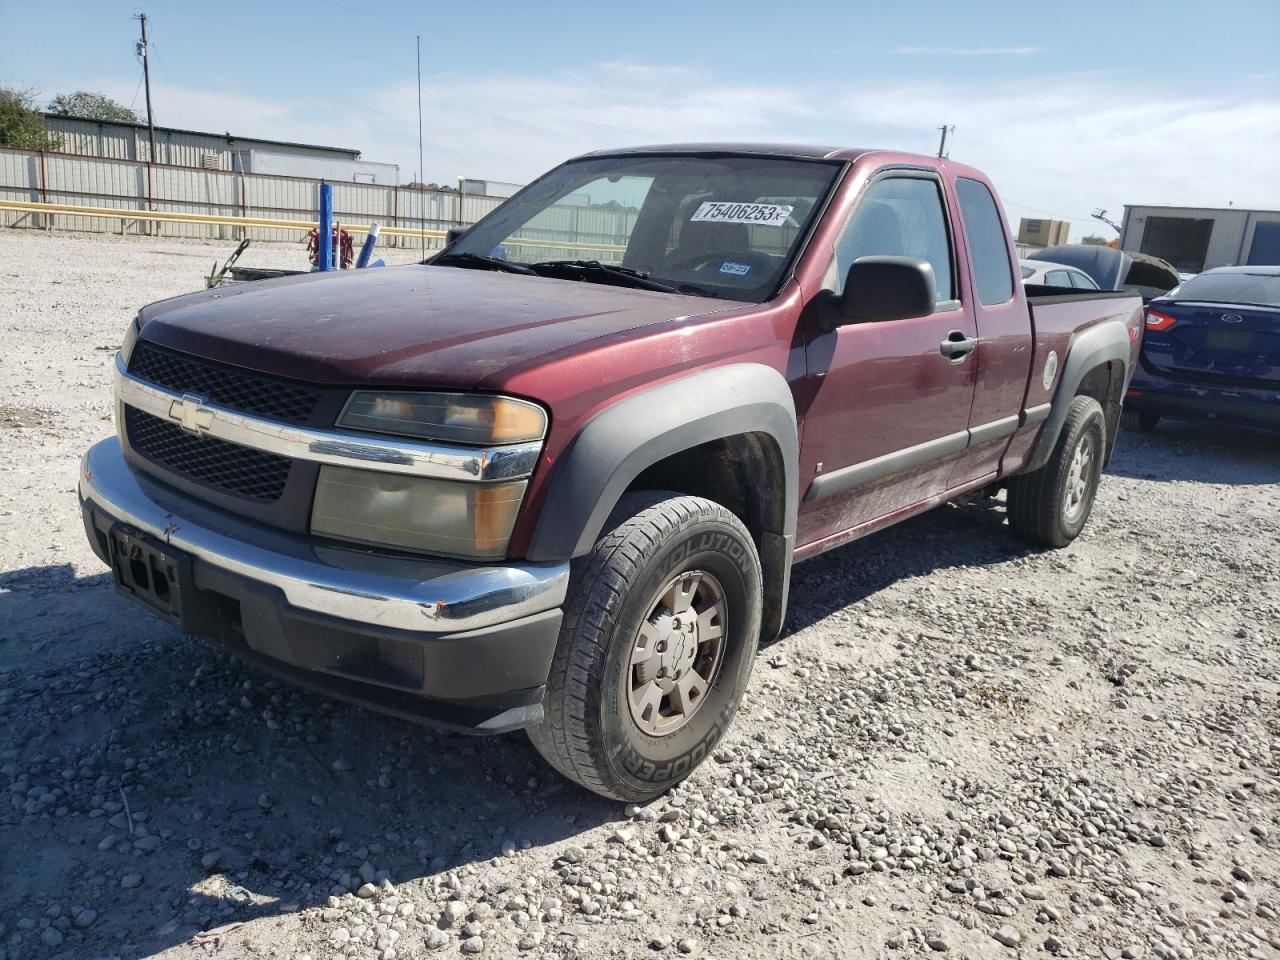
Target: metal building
{"x": 1042, "y": 233}
{"x": 1197, "y": 238}
{"x": 183, "y": 148}
{"x": 336, "y": 170}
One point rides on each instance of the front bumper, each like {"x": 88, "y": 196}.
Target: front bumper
{"x": 460, "y": 645}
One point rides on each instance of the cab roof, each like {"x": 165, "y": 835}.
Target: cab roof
{"x": 787, "y": 150}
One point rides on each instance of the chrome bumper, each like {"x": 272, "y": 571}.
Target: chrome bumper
{"x": 424, "y": 595}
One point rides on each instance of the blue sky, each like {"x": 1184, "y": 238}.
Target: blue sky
{"x": 1067, "y": 106}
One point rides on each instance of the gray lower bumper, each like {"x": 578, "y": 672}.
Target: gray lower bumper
{"x": 465, "y": 645}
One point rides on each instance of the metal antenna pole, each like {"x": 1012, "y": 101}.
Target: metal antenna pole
{"x": 422, "y": 176}
{"x": 942, "y": 147}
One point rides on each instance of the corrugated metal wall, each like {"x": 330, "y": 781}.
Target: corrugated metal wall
{"x": 121, "y": 141}
{"x": 120, "y": 184}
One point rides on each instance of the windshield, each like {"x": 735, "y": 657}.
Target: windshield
{"x": 716, "y": 226}
{"x": 1231, "y": 287}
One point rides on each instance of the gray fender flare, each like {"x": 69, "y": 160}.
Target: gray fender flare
{"x": 622, "y": 440}
{"x": 1104, "y": 343}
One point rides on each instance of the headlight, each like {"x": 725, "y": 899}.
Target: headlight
{"x": 472, "y": 520}
{"x": 449, "y": 417}
{"x": 130, "y": 338}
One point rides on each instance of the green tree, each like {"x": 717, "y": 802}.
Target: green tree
{"x": 1095, "y": 240}
{"x": 91, "y": 106}
{"x": 21, "y": 125}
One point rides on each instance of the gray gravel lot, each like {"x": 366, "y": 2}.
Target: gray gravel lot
{"x": 960, "y": 745}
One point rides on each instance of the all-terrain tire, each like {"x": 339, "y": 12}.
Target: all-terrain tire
{"x": 1050, "y": 506}
{"x": 589, "y": 732}
{"x": 1138, "y": 422}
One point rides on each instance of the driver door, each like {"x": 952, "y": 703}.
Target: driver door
{"x": 887, "y": 413}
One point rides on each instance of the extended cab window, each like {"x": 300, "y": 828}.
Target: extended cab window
{"x": 716, "y": 226}
{"x": 899, "y": 217}
{"x": 988, "y": 245}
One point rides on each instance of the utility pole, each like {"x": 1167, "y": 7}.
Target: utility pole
{"x": 151, "y": 126}
{"x": 146, "y": 79}
{"x": 942, "y": 147}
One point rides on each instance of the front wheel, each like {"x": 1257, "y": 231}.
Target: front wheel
{"x": 659, "y": 635}
{"x": 1049, "y": 506}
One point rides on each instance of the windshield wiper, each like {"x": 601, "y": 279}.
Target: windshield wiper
{"x": 697, "y": 291}
{"x": 626, "y": 276}
{"x": 475, "y": 261}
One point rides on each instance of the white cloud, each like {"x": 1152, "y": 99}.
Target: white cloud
{"x": 512, "y": 126}
{"x": 1059, "y": 144}
{"x": 1067, "y": 145}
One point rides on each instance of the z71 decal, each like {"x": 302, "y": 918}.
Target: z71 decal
{"x": 756, "y": 214}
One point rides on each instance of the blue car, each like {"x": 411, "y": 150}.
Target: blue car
{"x": 1211, "y": 351}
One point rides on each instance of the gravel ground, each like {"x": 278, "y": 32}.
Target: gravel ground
{"x": 959, "y": 746}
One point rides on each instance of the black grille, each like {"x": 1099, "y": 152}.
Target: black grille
{"x": 269, "y": 397}
{"x": 227, "y": 466}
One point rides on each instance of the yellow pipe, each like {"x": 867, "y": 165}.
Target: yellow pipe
{"x": 170, "y": 216}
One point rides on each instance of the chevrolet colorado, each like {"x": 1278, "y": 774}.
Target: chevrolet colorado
{"x": 556, "y": 477}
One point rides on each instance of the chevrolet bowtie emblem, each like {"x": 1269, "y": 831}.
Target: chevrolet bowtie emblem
{"x": 191, "y": 413}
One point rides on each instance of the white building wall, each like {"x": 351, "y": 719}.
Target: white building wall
{"x": 1229, "y": 241}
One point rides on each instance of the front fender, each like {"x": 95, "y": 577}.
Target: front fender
{"x": 618, "y": 443}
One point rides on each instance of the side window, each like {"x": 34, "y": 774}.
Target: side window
{"x": 988, "y": 244}
{"x": 1082, "y": 280}
{"x": 1057, "y": 278}
{"x": 902, "y": 217}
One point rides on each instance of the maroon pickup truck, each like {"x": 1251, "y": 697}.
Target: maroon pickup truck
{"x": 556, "y": 477}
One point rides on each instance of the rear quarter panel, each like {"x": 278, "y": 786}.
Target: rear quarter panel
{"x": 1057, "y": 323}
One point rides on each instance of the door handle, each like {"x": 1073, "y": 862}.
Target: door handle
{"x": 957, "y": 346}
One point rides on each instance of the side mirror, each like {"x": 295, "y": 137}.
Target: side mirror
{"x": 883, "y": 288}
{"x": 453, "y": 235}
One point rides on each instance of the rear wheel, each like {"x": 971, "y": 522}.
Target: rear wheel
{"x": 658, "y": 640}
{"x": 1049, "y": 506}
{"x": 1138, "y": 422}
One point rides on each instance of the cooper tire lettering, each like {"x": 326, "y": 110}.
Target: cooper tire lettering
{"x": 594, "y": 735}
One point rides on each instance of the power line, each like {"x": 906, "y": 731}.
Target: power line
{"x": 241, "y": 29}
{"x": 135, "y": 93}
{"x": 1046, "y": 213}
{"x": 168, "y": 87}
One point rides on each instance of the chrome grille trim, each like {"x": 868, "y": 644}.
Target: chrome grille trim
{"x": 338, "y": 447}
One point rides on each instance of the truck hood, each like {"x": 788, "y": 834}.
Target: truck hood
{"x": 411, "y": 325}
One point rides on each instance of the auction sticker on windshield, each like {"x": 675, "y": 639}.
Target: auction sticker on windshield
{"x": 758, "y": 214}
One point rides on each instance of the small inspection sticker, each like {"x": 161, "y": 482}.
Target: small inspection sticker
{"x": 755, "y": 214}
{"x": 734, "y": 269}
